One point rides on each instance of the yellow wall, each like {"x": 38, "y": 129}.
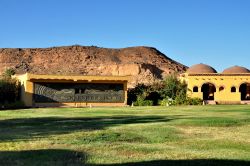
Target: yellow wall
{"x": 227, "y": 81}
{"x": 27, "y": 82}
{"x": 26, "y": 89}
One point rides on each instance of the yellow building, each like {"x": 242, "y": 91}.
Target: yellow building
{"x": 232, "y": 86}
{"x": 73, "y": 91}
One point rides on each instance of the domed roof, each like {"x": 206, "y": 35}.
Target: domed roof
{"x": 235, "y": 70}
{"x": 201, "y": 68}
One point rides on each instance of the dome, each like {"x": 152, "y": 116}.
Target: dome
{"x": 201, "y": 68}
{"x": 236, "y": 70}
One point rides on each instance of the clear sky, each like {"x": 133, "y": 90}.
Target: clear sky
{"x": 215, "y": 32}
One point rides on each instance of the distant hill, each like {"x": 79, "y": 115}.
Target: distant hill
{"x": 144, "y": 64}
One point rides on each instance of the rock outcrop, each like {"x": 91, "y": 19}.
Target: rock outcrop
{"x": 144, "y": 64}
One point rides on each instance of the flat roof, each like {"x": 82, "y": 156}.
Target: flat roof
{"x": 219, "y": 74}
{"x": 33, "y": 77}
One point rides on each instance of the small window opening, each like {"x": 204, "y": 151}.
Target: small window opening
{"x": 195, "y": 89}
{"x": 79, "y": 91}
{"x": 233, "y": 89}
{"x": 221, "y": 88}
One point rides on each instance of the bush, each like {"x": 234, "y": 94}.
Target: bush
{"x": 166, "y": 102}
{"x": 171, "y": 91}
{"x": 181, "y": 97}
{"x": 194, "y": 101}
{"x": 139, "y": 90}
{"x": 142, "y": 93}
{"x": 142, "y": 102}
{"x": 154, "y": 97}
{"x": 172, "y": 87}
{"x": 8, "y": 73}
{"x": 12, "y": 105}
{"x": 9, "y": 91}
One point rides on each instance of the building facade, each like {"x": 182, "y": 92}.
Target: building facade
{"x": 73, "y": 91}
{"x": 232, "y": 86}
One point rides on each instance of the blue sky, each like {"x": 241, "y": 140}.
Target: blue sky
{"x": 215, "y": 32}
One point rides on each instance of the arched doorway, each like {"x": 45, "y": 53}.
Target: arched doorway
{"x": 245, "y": 91}
{"x": 208, "y": 90}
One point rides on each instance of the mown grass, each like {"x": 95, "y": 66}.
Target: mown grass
{"x": 185, "y": 135}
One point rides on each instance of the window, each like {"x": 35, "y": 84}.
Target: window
{"x": 79, "y": 91}
{"x": 233, "y": 89}
{"x": 221, "y": 88}
{"x": 195, "y": 89}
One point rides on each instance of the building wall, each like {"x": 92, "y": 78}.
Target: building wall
{"x": 226, "y": 81}
{"x": 27, "y": 88}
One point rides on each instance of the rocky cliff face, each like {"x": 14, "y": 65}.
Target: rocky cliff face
{"x": 144, "y": 64}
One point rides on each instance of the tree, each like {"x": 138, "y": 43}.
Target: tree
{"x": 9, "y": 87}
{"x": 8, "y": 73}
{"x": 171, "y": 88}
{"x": 139, "y": 90}
{"x": 175, "y": 89}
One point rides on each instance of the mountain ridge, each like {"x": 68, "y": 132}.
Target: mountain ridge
{"x": 144, "y": 64}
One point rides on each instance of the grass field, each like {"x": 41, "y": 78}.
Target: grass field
{"x": 188, "y": 135}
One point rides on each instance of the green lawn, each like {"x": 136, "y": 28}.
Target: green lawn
{"x": 188, "y": 135}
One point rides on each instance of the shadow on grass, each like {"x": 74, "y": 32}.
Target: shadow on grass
{"x": 195, "y": 162}
{"x": 28, "y": 128}
{"x": 60, "y": 157}
{"x": 45, "y": 157}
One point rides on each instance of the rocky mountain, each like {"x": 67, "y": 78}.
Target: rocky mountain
{"x": 144, "y": 64}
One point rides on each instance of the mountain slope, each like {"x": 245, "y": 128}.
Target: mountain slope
{"x": 144, "y": 64}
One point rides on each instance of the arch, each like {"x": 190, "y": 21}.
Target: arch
{"x": 245, "y": 91}
{"x": 195, "y": 89}
{"x": 208, "y": 90}
{"x": 233, "y": 89}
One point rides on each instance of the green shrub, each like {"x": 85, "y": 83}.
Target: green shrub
{"x": 154, "y": 97}
{"x": 194, "y": 101}
{"x": 9, "y": 90}
{"x": 12, "y": 105}
{"x": 138, "y": 90}
{"x": 170, "y": 91}
{"x": 172, "y": 87}
{"x": 148, "y": 93}
{"x": 166, "y": 102}
{"x": 181, "y": 97}
{"x": 8, "y": 73}
{"x": 142, "y": 102}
